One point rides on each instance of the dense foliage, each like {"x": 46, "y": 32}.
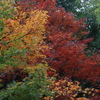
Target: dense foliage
{"x": 87, "y": 9}
{"x": 43, "y": 53}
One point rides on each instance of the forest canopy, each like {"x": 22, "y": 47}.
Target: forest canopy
{"x": 49, "y": 50}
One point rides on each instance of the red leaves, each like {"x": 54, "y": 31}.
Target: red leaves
{"x": 66, "y": 53}
{"x": 87, "y": 40}
{"x": 50, "y": 73}
{"x": 95, "y": 98}
{"x": 46, "y": 4}
{"x": 66, "y": 49}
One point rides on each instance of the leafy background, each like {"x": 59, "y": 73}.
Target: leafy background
{"x": 49, "y": 50}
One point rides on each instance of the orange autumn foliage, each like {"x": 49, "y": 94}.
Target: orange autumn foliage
{"x": 27, "y": 35}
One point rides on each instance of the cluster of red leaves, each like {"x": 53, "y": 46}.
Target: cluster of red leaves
{"x": 95, "y": 98}
{"x": 10, "y": 75}
{"x": 64, "y": 37}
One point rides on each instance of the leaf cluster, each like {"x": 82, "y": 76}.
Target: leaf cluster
{"x": 33, "y": 87}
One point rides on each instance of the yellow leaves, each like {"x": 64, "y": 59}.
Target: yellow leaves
{"x": 82, "y": 98}
{"x": 14, "y": 23}
{"x": 7, "y": 2}
{"x": 32, "y": 29}
{"x": 51, "y": 69}
{"x": 10, "y": 28}
{"x": 0, "y": 80}
{"x": 74, "y": 86}
{"x": 36, "y": 22}
{"x": 65, "y": 87}
{"x": 26, "y": 33}
{"x": 48, "y": 98}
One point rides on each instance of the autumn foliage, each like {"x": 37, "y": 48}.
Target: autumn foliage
{"x": 64, "y": 37}
{"x": 40, "y": 35}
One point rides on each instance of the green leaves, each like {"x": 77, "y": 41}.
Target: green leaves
{"x": 1, "y": 25}
{"x": 8, "y": 57}
{"x": 6, "y": 9}
{"x": 34, "y": 87}
{"x": 97, "y": 10}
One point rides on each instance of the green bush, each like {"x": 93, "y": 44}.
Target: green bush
{"x": 34, "y": 87}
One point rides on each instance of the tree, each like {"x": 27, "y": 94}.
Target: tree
{"x": 85, "y": 9}
{"x": 48, "y": 33}
{"x": 97, "y": 10}
{"x": 70, "y": 5}
{"x": 92, "y": 24}
{"x": 21, "y": 42}
{"x": 6, "y": 55}
{"x": 64, "y": 37}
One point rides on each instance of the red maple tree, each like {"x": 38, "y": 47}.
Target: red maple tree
{"x": 65, "y": 39}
